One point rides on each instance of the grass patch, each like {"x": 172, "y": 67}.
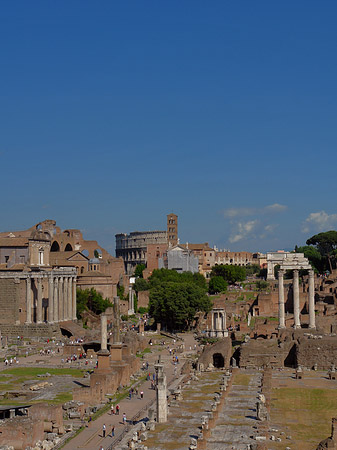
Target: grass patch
{"x": 34, "y": 371}
{"x": 305, "y": 412}
{"x": 62, "y": 397}
{"x": 241, "y": 379}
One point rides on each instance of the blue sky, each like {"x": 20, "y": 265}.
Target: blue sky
{"x": 113, "y": 114}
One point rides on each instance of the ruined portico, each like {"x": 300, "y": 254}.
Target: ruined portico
{"x": 50, "y": 296}
{"x": 218, "y": 328}
{"x": 294, "y": 262}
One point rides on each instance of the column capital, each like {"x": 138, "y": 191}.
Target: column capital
{"x": 311, "y": 273}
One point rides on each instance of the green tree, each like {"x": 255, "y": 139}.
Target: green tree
{"x": 90, "y": 299}
{"x": 252, "y": 269}
{"x": 141, "y": 285}
{"x": 262, "y": 285}
{"x": 216, "y": 285}
{"x": 174, "y": 304}
{"x": 314, "y": 257}
{"x": 139, "y": 270}
{"x": 231, "y": 274}
{"x": 326, "y": 244}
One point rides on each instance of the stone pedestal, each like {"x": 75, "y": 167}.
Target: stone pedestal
{"x": 116, "y": 352}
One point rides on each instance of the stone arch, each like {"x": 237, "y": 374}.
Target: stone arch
{"x": 55, "y": 247}
{"x": 218, "y": 360}
{"x": 68, "y": 248}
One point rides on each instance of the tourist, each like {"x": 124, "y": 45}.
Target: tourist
{"x": 117, "y": 410}
{"x": 124, "y": 418}
{"x": 104, "y": 430}
{"x": 112, "y": 409}
{"x": 112, "y": 431}
{"x": 141, "y": 394}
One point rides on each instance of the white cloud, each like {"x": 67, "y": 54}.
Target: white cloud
{"x": 275, "y": 207}
{"x": 239, "y": 212}
{"x": 319, "y": 221}
{"x": 243, "y": 230}
{"x": 231, "y": 213}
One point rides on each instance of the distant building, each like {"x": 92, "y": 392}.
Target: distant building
{"x": 234, "y": 258}
{"x": 179, "y": 259}
{"x": 205, "y": 255}
{"x": 133, "y": 247}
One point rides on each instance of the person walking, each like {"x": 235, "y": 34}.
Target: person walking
{"x": 117, "y": 410}
{"x": 112, "y": 431}
{"x": 124, "y": 418}
{"x": 141, "y": 394}
{"x": 104, "y": 430}
{"x": 112, "y": 409}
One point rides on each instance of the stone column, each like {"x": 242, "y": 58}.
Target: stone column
{"x": 296, "y": 297}
{"x": 281, "y": 312}
{"x": 311, "y": 299}
{"x": 51, "y": 299}
{"x": 28, "y": 301}
{"x": 55, "y": 299}
{"x": 131, "y": 302}
{"x": 74, "y": 316}
{"x": 61, "y": 300}
{"x": 70, "y": 300}
{"x": 116, "y": 333}
{"x": 161, "y": 391}
{"x": 65, "y": 299}
{"x": 39, "y": 301}
{"x": 104, "y": 333}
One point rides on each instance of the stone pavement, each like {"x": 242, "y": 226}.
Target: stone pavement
{"x": 234, "y": 427}
{"x": 91, "y": 438}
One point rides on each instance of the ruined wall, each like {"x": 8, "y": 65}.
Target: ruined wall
{"x": 143, "y": 299}
{"x": 21, "y": 432}
{"x": 10, "y": 294}
{"x": 224, "y": 347}
{"x": 263, "y": 353}
{"x": 322, "y": 352}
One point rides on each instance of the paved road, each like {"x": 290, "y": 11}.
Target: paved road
{"x": 92, "y": 437}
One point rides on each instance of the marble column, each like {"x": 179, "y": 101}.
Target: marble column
{"x": 28, "y": 301}
{"x": 61, "y": 300}
{"x": 281, "y": 311}
{"x": 296, "y": 298}
{"x": 311, "y": 299}
{"x": 65, "y": 298}
{"x": 50, "y": 299}
{"x": 55, "y": 300}
{"x": 74, "y": 316}
{"x": 70, "y": 295}
{"x": 39, "y": 301}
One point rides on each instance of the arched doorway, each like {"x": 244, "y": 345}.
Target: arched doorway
{"x": 218, "y": 361}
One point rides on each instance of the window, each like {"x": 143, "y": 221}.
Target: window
{"x": 22, "y": 259}
{"x": 6, "y": 259}
{"x": 41, "y": 256}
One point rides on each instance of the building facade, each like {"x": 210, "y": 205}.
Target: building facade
{"x": 40, "y": 269}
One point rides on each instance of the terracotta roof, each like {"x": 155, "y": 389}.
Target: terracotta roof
{"x": 13, "y": 242}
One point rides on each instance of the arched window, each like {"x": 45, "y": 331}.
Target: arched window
{"x": 55, "y": 247}
{"x": 68, "y": 248}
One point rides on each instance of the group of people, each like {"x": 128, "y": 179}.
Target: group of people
{"x": 11, "y": 361}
